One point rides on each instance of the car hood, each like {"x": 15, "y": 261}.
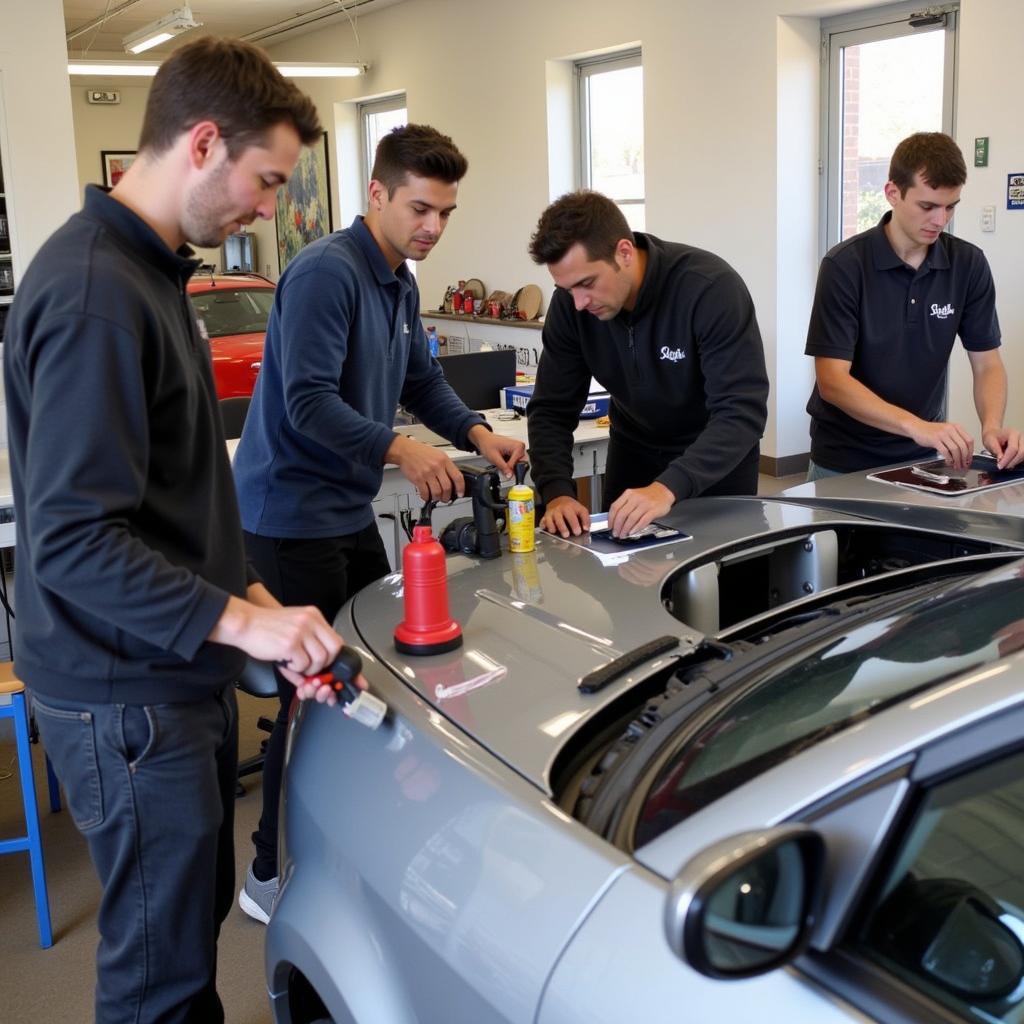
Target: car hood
{"x": 534, "y": 625}
{"x": 238, "y": 345}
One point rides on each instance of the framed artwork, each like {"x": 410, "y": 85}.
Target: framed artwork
{"x": 115, "y": 163}
{"x": 304, "y": 204}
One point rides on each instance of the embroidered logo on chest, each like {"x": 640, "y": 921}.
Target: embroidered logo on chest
{"x": 673, "y": 355}
{"x": 942, "y": 311}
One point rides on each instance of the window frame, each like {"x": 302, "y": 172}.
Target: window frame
{"x": 889, "y": 22}
{"x": 366, "y": 110}
{"x": 847, "y": 972}
{"x": 583, "y": 70}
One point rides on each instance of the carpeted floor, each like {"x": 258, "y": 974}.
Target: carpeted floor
{"x": 56, "y": 985}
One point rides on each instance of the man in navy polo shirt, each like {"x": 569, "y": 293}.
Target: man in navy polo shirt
{"x": 888, "y": 304}
{"x": 344, "y": 346}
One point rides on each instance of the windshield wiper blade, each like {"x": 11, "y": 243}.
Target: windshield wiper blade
{"x": 606, "y": 674}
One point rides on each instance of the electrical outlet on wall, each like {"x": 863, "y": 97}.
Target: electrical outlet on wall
{"x": 101, "y": 96}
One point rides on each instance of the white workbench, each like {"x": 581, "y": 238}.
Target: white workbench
{"x": 590, "y": 450}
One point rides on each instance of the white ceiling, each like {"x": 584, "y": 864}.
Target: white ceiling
{"x": 262, "y": 21}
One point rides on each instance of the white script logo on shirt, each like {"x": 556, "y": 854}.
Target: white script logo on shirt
{"x": 942, "y": 311}
{"x": 672, "y": 354}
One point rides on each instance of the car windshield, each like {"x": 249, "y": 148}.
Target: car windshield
{"x": 839, "y": 683}
{"x": 234, "y": 310}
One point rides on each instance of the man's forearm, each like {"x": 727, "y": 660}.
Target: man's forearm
{"x": 990, "y": 396}
{"x": 862, "y": 404}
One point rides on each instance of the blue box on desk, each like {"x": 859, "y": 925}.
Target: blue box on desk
{"x": 517, "y": 397}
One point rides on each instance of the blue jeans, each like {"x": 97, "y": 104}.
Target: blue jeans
{"x": 151, "y": 788}
{"x": 816, "y": 472}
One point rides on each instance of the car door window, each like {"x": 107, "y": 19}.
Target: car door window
{"x": 949, "y": 916}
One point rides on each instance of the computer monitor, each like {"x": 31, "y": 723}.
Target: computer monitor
{"x": 478, "y": 377}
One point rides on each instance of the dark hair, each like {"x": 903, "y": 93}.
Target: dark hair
{"x": 417, "y": 149}
{"x": 232, "y": 83}
{"x": 933, "y": 155}
{"x": 585, "y": 217}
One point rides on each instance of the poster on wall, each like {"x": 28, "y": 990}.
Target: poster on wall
{"x": 1015, "y": 191}
{"x": 115, "y": 163}
{"x": 304, "y": 204}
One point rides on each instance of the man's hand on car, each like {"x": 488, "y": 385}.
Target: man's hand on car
{"x": 950, "y": 440}
{"x": 1006, "y": 444}
{"x": 565, "y": 515}
{"x": 635, "y": 507}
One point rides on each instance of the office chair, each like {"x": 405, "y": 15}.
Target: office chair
{"x": 258, "y": 680}
{"x": 232, "y": 413}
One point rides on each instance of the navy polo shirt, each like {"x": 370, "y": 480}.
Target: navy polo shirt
{"x": 896, "y": 326}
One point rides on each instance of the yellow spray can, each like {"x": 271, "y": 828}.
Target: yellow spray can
{"x": 520, "y": 519}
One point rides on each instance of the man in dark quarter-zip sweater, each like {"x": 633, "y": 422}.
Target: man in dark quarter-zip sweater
{"x": 670, "y": 332}
{"x": 135, "y": 606}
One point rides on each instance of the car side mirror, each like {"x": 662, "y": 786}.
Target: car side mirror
{"x": 746, "y": 904}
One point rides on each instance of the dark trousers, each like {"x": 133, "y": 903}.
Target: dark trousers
{"x": 633, "y": 466}
{"x": 324, "y": 572}
{"x": 152, "y": 789}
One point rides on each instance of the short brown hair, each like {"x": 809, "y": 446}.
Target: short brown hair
{"x": 584, "y": 217}
{"x": 232, "y": 83}
{"x": 417, "y": 149}
{"x": 933, "y": 155}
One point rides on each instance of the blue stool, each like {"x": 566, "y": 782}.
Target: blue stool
{"x": 13, "y": 706}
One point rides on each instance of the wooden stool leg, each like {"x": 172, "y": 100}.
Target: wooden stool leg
{"x": 35, "y": 843}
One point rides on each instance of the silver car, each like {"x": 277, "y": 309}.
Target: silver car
{"x": 771, "y": 768}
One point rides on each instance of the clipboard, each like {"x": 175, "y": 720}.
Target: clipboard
{"x": 599, "y": 539}
{"x": 935, "y": 477}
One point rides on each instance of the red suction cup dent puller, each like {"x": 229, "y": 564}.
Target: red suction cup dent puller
{"x": 428, "y": 627}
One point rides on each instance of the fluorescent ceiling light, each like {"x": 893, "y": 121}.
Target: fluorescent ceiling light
{"x": 149, "y": 68}
{"x": 159, "y": 31}
{"x": 299, "y": 69}
{"x": 113, "y": 67}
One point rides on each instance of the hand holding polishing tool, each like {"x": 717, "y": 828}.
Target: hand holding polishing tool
{"x": 360, "y": 705}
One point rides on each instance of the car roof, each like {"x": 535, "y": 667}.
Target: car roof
{"x": 204, "y": 281}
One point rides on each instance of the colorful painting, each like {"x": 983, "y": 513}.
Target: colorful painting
{"x": 115, "y": 163}
{"x": 304, "y": 204}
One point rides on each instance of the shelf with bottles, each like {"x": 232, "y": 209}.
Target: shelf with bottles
{"x": 6, "y": 255}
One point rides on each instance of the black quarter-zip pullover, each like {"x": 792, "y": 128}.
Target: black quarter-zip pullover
{"x": 685, "y": 370}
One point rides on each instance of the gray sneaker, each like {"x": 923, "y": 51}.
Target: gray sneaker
{"x": 257, "y": 898}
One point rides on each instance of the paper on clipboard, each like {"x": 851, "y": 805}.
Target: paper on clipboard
{"x": 599, "y": 540}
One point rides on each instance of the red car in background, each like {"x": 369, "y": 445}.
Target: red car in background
{"x": 234, "y": 309}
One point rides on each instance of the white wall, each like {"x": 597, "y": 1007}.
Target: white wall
{"x": 115, "y": 126}
{"x": 731, "y": 110}
{"x": 35, "y": 124}
{"x": 990, "y": 47}
{"x": 731, "y": 125}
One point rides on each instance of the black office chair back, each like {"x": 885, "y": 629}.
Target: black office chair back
{"x": 232, "y": 413}
{"x": 257, "y": 679}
